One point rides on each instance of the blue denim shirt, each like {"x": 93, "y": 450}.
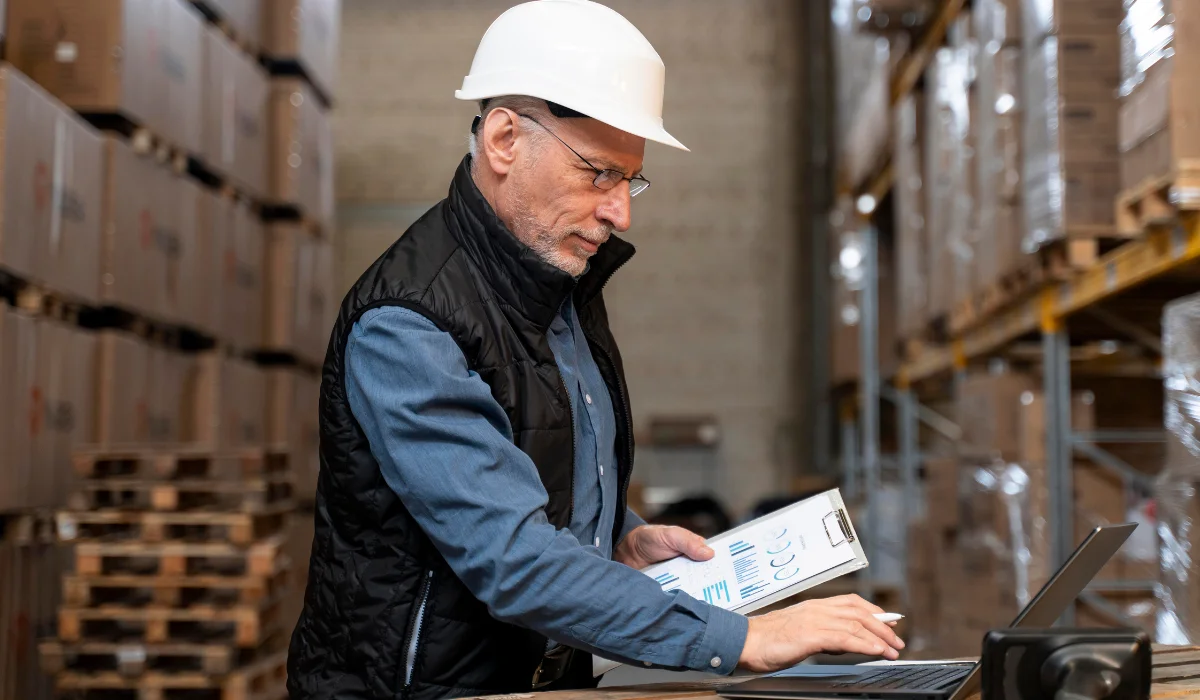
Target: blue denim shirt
{"x": 410, "y": 389}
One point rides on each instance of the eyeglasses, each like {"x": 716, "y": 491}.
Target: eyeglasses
{"x": 606, "y": 179}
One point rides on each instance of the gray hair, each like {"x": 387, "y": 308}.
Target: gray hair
{"x": 521, "y": 104}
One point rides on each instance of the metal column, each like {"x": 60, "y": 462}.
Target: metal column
{"x": 868, "y": 352}
{"x": 850, "y": 457}
{"x": 1056, "y": 350}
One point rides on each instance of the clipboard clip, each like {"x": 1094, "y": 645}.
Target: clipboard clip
{"x": 841, "y": 526}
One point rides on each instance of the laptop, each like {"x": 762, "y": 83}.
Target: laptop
{"x": 945, "y": 681}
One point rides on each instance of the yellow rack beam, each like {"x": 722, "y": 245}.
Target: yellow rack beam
{"x": 1160, "y": 253}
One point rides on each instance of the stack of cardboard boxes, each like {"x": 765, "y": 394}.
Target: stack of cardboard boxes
{"x": 1072, "y": 59}
{"x": 1159, "y": 106}
{"x": 161, "y": 218}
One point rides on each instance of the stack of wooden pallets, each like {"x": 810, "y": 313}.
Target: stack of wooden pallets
{"x": 179, "y": 574}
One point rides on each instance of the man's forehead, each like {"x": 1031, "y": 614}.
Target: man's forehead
{"x": 607, "y": 147}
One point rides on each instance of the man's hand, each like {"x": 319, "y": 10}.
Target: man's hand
{"x": 650, "y": 544}
{"x": 784, "y": 638}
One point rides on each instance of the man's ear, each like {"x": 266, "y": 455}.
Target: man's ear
{"x": 498, "y": 140}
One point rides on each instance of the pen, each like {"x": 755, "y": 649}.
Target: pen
{"x": 889, "y": 617}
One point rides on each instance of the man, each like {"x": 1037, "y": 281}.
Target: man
{"x": 472, "y": 534}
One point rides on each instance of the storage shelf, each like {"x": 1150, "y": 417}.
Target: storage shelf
{"x": 1159, "y": 255}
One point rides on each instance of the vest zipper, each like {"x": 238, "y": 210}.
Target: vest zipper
{"x": 625, "y": 413}
{"x": 414, "y": 637}
{"x": 574, "y": 449}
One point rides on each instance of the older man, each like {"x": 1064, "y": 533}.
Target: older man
{"x": 472, "y": 534}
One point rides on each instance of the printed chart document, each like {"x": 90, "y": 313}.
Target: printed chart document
{"x": 766, "y": 560}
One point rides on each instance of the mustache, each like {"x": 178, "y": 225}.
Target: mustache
{"x": 595, "y": 236}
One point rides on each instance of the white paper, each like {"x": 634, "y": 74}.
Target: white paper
{"x": 771, "y": 554}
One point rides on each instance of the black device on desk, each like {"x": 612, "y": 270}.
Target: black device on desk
{"x": 947, "y": 681}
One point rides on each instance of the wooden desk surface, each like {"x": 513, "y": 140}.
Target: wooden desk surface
{"x": 1176, "y": 677}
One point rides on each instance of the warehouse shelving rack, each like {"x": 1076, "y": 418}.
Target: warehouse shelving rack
{"x": 1139, "y": 276}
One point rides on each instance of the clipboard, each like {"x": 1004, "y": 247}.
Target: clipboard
{"x": 835, "y": 526}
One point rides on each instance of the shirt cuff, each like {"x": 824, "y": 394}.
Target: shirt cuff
{"x": 724, "y": 639}
{"x": 632, "y": 522}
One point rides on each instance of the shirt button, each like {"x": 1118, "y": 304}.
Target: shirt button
{"x": 648, "y": 664}
{"x": 597, "y": 541}
{"x": 716, "y": 662}
{"x": 588, "y": 398}
{"x": 601, "y": 470}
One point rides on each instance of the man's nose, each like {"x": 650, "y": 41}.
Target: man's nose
{"x": 615, "y": 209}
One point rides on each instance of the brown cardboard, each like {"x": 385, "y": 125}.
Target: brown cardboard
{"x": 66, "y": 370}
{"x": 182, "y": 56}
{"x": 300, "y": 162}
{"x": 299, "y": 300}
{"x": 26, "y": 152}
{"x": 96, "y": 55}
{"x": 18, "y": 384}
{"x": 241, "y": 280}
{"x": 210, "y": 231}
{"x": 243, "y": 16}
{"x": 167, "y": 397}
{"x": 912, "y": 274}
{"x": 30, "y": 572}
{"x": 307, "y": 32}
{"x": 941, "y": 479}
{"x": 293, "y": 424}
{"x": 129, "y": 252}
{"x": 226, "y": 403}
{"x": 988, "y": 407}
{"x": 122, "y": 390}
{"x": 235, "y": 114}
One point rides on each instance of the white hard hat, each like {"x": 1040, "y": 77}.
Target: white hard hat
{"x": 578, "y": 54}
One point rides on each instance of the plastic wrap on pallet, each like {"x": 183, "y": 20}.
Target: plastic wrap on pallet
{"x": 863, "y": 94}
{"x": 1178, "y": 483}
{"x": 996, "y": 114}
{"x": 912, "y": 272}
{"x": 949, "y": 204}
{"x": 997, "y": 537}
{"x": 1044, "y": 191}
{"x": 1147, "y": 38}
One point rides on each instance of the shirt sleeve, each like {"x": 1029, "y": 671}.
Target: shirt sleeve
{"x": 632, "y": 522}
{"x": 444, "y": 445}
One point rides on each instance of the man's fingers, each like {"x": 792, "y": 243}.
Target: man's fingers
{"x": 689, "y": 544}
{"x": 853, "y": 643}
{"x": 881, "y": 630}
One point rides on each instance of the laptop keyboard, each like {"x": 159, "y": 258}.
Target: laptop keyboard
{"x": 906, "y": 678}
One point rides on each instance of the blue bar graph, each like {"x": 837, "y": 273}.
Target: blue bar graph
{"x": 666, "y": 579}
{"x": 738, "y": 547}
{"x": 751, "y": 590}
{"x": 717, "y": 592}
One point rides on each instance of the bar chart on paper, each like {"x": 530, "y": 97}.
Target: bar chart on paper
{"x": 759, "y": 559}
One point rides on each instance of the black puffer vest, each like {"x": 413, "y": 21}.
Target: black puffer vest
{"x": 372, "y": 565}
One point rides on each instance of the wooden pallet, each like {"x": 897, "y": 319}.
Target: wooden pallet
{"x": 244, "y": 496}
{"x": 133, "y": 660}
{"x": 264, "y": 680}
{"x": 245, "y": 626}
{"x": 180, "y": 559}
{"x": 186, "y": 462}
{"x": 173, "y": 591}
{"x": 1157, "y": 202}
{"x": 187, "y": 526}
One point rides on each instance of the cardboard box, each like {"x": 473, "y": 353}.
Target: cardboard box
{"x": 141, "y": 391}
{"x": 139, "y": 58}
{"x": 988, "y": 407}
{"x": 226, "y": 403}
{"x": 941, "y": 489}
{"x": 844, "y": 340}
{"x": 235, "y": 114}
{"x": 305, "y": 33}
{"x": 30, "y": 576}
{"x": 51, "y": 190}
{"x": 66, "y": 381}
{"x": 1159, "y": 137}
{"x": 300, "y": 163}
{"x": 244, "y": 17}
{"x": 18, "y": 387}
{"x": 1056, "y": 16}
{"x": 293, "y": 424}
{"x": 299, "y": 293}
{"x": 240, "y": 318}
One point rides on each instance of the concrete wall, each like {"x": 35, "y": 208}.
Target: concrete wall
{"x": 707, "y": 313}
